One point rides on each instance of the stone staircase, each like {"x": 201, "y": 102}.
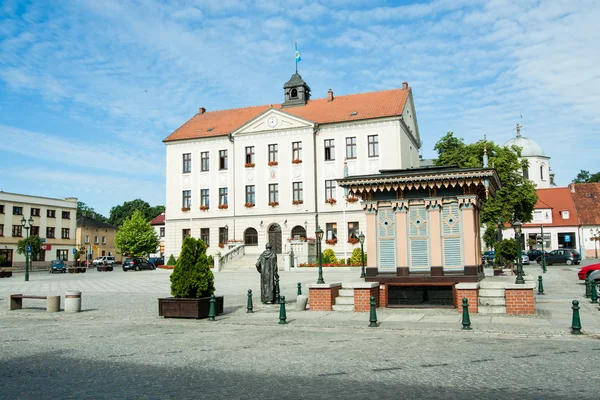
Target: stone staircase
{"x": 345, "y": 300}
{"x": 243, "y": 263}
{"x": 491, "y": 298}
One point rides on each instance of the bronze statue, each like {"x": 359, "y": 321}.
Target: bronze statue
{"x": 267, "y": 267}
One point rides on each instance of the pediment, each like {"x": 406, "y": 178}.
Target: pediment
{"x": 273, "y": 120}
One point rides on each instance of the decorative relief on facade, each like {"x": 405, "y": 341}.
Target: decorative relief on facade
{"x": 203, "y": 179}
{"x": 297, "y": 171}
{"x": 373, "y": 167}
{"x": 186, "y": 181}
{"x": 272, "y": 174}
{"x": 250, "y": 176}
{"x": 223, "y": 178}
{"x": 330, "y": 172}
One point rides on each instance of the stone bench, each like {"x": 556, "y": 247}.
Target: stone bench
{"x": 52, "y": 302}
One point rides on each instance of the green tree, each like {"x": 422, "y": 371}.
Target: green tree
{"x": 355, "y": 257}
{"x": 192, "y": 277}
{"x": 136, "y": 237}
{"x": 516, "y": 198}
{"x": 34, "y": 241}
{"x": 171, "y": 260}
{"x": 507, "y": 249}
{"x": 585, "y": 177}
{"x": 85, "y": 210}
{"x": 329, "y": 257}
{"x": 118, "y": 214}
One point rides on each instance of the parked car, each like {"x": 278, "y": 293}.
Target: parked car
{"x": 157, "y": 261}
{"x": 561, "y": 256}
{"x": 57, "y": 266}
{"x": 488, "y": 257}
{"x": 524, "y": 258}
{"x": 534, "y": 254}
{"x": 595, "y": 277}
{"x": 587, "y": 270}
{"x": 137, "y": 263}
{"x": 104, "y": 260}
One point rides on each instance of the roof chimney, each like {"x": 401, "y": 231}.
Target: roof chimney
{"x": 201, "y": 110}
{"x": 330, "y": 95}
{"x": 404, "y": 85}
{"x": 572, "y": 187}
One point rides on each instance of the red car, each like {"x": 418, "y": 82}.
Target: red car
{"x": 585, "y": 271}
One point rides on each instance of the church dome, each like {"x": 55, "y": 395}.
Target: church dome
{"x": 529, "y": 146}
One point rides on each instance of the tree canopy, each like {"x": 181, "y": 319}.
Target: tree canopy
{"x": 136, "y": 237}
{"x": 85, "y": 210}
{"x": 119, "y": 213}
{"x": 34, "y": 241}
{"x": 517, "y": 197}
{"x": 585, "y": 177}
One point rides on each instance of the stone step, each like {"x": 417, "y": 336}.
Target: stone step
{"x": 344, "y": 300}
{"x": 346, "y": 292}
{"x": 492, "y": 285}
{"x": 492, "y": 301}
{"x": 343, "y": 307}
{"x": 491, "y": 310}
{"x": 491, "y": 293}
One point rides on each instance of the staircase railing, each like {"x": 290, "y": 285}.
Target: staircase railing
{"x": 235, "y": 252}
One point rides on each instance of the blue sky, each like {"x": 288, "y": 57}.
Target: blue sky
{"x": 89, "y": 89}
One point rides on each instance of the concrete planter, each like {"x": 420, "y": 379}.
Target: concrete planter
{"x": 171, "y": 307}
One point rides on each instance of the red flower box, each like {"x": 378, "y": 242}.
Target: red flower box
{"x": 223, "y": 206}
{"x": 297, "y": 161}
{"x": 203, "y": 208}
{"x": 274, "y": 203}
{"x": 249, "y": 165}
{"x": 297, "y": 202}
{"x": 273, "y": 163}
{"x": 249, "y": 205}
{"x": 331, "y": 201}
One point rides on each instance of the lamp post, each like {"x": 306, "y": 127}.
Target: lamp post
{"x": 517, "y": 225}
{"x": 27, "y": 224}
{"x": 595, "y": 238}
{"x": 319, "y": 235}
{"x": 361, "y": 239}
{"x": 543, "y": 251}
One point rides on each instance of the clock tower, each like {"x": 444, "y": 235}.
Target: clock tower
{"x": 296, "y": 92}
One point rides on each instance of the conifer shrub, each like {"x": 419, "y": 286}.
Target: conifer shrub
{"x": 171, "y": 260}
{"x": 329, "y": 257}
{"x": 192, "y": 277}
{"x": 211, "y": 260}
{"x": 355, "y": 258}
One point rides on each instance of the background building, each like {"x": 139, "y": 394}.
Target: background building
{"x": 539, "y": 171}
{"x": 97, "y": 238}
{"x": 586, "y": 197}
{"x": 158, "y": 223}
{"x": 53, "y": 221}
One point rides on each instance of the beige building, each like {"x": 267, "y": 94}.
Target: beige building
{"x": 53, "y": 220}
{"x": 96, "y": 238}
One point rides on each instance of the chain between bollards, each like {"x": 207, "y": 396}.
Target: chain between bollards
{"x": 588, "y": 287}
{"x": 299, "y": 289}
{"x": 211, "y": 310}
{"x": 282, "y": 315}
{"x": 373, "y": 314}
{"x": 250, "y": 305}
{"x": 594, "y": 293}
{"x": 576, "y": 324}
{"x": 540, "y": 285}
{"x": 277, "y": 296}
{"x": 466, "y": 320}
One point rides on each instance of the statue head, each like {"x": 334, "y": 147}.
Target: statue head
{"x": 268, "y": 246}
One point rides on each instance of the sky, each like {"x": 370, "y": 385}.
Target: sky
{"x": 89, "y": 89}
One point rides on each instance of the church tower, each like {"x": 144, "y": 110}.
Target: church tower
{"x": 539, "y": 171}
{"x": 296, "y": 92}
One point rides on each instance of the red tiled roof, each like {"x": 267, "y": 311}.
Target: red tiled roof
{"x": 385, "y": 103}
{"x": 158, "y": 220}
{"x": 558, "y": 199}
{"x": 586, "y": 197}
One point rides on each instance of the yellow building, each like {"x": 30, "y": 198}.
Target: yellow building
{"x": 96, "y": 238}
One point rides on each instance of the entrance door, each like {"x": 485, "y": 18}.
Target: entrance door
{"x": 275, "y": 238}
{"x": 7, "y": 256}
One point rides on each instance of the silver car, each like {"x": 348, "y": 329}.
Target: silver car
{"x": 524, "y": 258}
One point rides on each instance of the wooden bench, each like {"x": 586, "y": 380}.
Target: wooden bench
{"x": 52, "y": 302}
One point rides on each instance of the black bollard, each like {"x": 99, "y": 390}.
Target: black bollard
{"x": 282, "y": 315}
{"x": 211, "y": 310}
{"x": 540, "y": 285}
{"x": 250, "y": 305}
{"x": 299, "y": 289}
{"x": 466, "y": 320}
{"x": 277, "y": 296}
{"x": 576, "y": 324}
{"x": 594, "y": 293}
{"x": 588, "y": 287}
{"x": 373, "y": 314}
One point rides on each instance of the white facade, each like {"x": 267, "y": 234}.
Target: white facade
{"x": 539, "y": 171}
{"x": 398, "y": 146}
{"x": 54, "y": 220}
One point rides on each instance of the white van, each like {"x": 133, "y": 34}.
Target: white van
{"x": 104, "y": 260}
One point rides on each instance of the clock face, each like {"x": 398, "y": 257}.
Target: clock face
{"x": 272, "y": 121}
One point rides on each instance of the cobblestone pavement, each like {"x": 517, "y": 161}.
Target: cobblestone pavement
{"x": 118, "y": 347}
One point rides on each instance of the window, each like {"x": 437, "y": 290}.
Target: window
{"x": 250, "y": 155}
{"x": 204, "y": 161}
{"x": 40, "y": 256}
{"x": 62, "y": 255}
{"x": 222, "y": 159}
{"x": 66, "y": 215}
{"x": 35, "y": 231}
{"x": 526, "y": 173}
{"x": 251, "y": 237}
{"x": 187, "y": 163}
{"x": 103, "y": 239}
{"x": 64, "y": 233}
{"x": 51, "y": 213}
{"x": 186, "y": 199}
{"x": 50, "y": 233}
{"x": 294, "y": 94}
{"x": 1, "y": 229}
{"x": 17, "y": 210}
{"x": 250, "y": 195}
{"x": 274, "y": 193}
{"x": 329, "y": 149}
{"x": 223, "y": 235}
{"x": 1, "y": 208}
{"x": 296, "y": 151}
{"x": 297, "y": 192}
{"x": 185, "y": 233}
{"x": 373, "y": 142}
{"x": 87, "y": 239}
{"x": 329, "y": 190}
{"x": 204, "y": 198}
{"x": 222, "y": 196}
{"x": 162, "y": 232}
{"x": 542, "y": 172}
{"x": 331, "y": 231}
{"x": 353, "y": 231}
{"x": 17, "y": 231}
{"x": 273, "y": 153}
{"x": 95, "y": 239}
{"x": 205, "y": 236}
{"x": 565, "y": 214}
{"x": 350, "y": 147}
{"x": 35, "y": 212}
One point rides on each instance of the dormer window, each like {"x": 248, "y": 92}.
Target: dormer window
{"x": 294, "y": 94}
{"x": 565, "y": 214}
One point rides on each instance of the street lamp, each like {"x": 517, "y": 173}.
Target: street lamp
{"x": 27, "y": 224}
{"x": 595, "y": 238}
{"x": 517, "y": 225}
{"x": 361, "y": 239}
{"x": 319, "y": 235}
